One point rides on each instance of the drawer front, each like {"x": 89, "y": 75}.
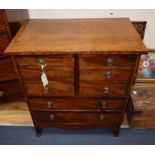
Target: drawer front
{"x": 55, "y": 88}
{"x": 60, "y": 74}
{"x": 110, "y": 61}
{"x": 49, "y": 61}
{"x": 106, "y": 75}
{"x": 77, "y": 117}
{"x": 97, "y": 89}
{"x": 76, "y": 104}
{"x": 10, "y": 91}
{"x": 4, "y": 41}
{"x": 7, "y": 71}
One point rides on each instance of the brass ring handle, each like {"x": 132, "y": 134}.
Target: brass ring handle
{"x": 108, "y": 74}
{"x": 46, "y": 90}
{"x": 102, "y": 118}
{"x": 40, "y": 61}
{"x": 109, "y": 62}
{"x": 51, "y": 117}
{"x": 49, "y": 104}
{"x": 105, "y": 90}
{"x": 103, "y": 105}
{"x": 1, "y": 93}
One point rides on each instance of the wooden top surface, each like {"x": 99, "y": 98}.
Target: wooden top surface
{"x": 77, "y": 36}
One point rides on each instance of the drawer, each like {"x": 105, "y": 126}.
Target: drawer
{"x": 97, "y": 89}
{"x": 10, "y": 91}
{"x": 4, "y": 41}
{"x": 7, "y": 71}
{"x": 55, "y": 88}
{"x": 60, "y": 74}
{"x": 107, "y": 61}
{"x": 49, "y": 61}
{"x": 77, "y": 117}
{"x": 106, "y": 75}
{"x": 74, "y": 104}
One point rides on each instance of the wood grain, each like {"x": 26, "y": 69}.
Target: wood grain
{"x": 4, "y": 41}
{"x": 100, "y": 61}
{"x": 53, "y": 74}
{"x": 9, "y": 86}
{"x": 117, "y": 76}
{"x": 95, "y": 89}
{"x": 4, "y": 25}
{"x": 144, "y": 120}
{"x": 78, "y": 117}
{"x": 56, "y": 61}
{"x": 56, "y": 88}
{"x": 77, "y": 36}
{"x": 144, "y": 100}
{"x": 15, "y": 113}
{"x": 7, "y": 71}
{"x": 144, "y": 106}
{"x": 75, "y": 104}
{"x": 86, "y": 53}
{"x": 11, "y": 91}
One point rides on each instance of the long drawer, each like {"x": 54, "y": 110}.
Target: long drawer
{"x": 73, "y": 104}
{"x": 60, "y": 74}
{"x": 55, "y": 88}
{"x": 97, "y": 89}
{"x": 77, "y": 117}
{"x": 108, "y": 61}
{"x": 105, "y": 75}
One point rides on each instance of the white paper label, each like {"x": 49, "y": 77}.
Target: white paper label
{"x": 43, "y": 66}
{"x": 44, "y": 79}
{"x": 134, "y": 92}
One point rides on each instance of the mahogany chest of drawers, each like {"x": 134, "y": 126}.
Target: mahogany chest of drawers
{"x": 77, "y": 73}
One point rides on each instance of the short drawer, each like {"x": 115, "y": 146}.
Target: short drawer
{"x": 97, "y": 89}
{"x": 73, "y": 104}
{"x": 77, "y": 117}
{"x": 49, "y": 61}
{"x": 4, "y": 41}
{"x": 7, "y": 71}
{"x": 106, "y": 75}
{"x": 60, "y": 74}
{"x": 110, "y": 61}
{"x": 55, "y": 88}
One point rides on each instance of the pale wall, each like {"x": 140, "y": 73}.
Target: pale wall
{"x": 148, "y": 15}
{"x": 17, "y": 14}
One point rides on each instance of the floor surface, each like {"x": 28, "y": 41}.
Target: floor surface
{"x": 16, "y": 135}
